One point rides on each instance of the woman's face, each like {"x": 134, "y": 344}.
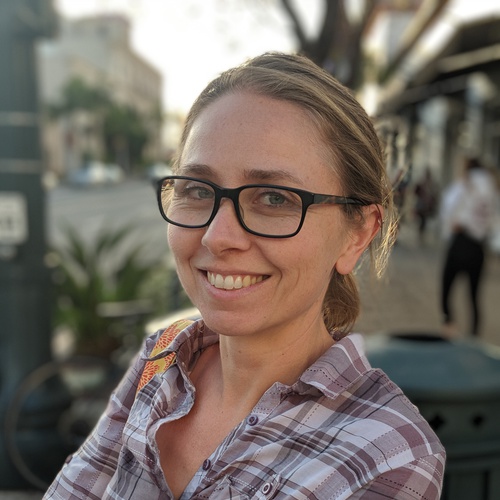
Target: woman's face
{"x": 244, "y": 138}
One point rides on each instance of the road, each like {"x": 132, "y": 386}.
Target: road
{"x": 91, "y": 210}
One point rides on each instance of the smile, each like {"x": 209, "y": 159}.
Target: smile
{"x": 232, "y": 282}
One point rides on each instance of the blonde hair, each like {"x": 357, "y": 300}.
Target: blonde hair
{"x": 349, "y": 138}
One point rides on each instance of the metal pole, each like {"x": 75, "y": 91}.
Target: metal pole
{"x": 25, "y": 305}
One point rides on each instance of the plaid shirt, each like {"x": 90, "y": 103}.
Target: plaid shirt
{"x": 343, "y": 430}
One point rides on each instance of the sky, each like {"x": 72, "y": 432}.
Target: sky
{"x": 192, "y": 41}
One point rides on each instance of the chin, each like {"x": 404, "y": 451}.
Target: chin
{"x": 228, "y": 323}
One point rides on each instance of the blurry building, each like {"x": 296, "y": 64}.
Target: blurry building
{"x": 444, "y": 104}
{"x": 390, "y": 32}
{"x": 97, "y": 51}
{"x": 387, "y": 30}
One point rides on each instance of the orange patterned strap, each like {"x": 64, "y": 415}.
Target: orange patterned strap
{"x": 162, "y": 364}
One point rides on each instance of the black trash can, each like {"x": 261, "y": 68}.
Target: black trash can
{"x": 456, "y": 386}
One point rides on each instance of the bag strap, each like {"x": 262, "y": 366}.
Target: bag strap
{"x": 164, "y": 340}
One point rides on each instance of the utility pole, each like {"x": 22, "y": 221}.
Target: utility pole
{"x": 25, "y": 304}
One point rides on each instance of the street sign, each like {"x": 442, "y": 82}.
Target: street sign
{"x": 13, "y": 218}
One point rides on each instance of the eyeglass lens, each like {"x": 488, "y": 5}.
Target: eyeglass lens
{"x": 263, "y": 209}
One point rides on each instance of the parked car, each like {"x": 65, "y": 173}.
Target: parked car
{"x": 96, "y": 173}
{"x": 114, "y": 173}
{"x": 158, "y": 171}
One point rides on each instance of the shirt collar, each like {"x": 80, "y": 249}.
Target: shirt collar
{"x": 339, "y": 367}
{"x": 332, "y": 373}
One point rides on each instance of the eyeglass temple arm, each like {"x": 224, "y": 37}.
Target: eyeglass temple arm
{"x": 331, "y": 199}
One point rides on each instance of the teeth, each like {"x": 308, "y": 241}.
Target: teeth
{"x": 232, "y": 282}
{"x": 229, "y": 283}
{"x": 218, "y": 281}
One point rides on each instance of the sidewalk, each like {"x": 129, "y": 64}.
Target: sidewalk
{"x": 408, "y": 297}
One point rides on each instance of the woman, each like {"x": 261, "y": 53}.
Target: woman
{"x": 267, "y": 398}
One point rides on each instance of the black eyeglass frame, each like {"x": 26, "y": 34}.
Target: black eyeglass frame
{"x": 308, "y": 198}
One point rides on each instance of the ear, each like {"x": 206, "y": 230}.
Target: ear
{"x": 359, "y": 239}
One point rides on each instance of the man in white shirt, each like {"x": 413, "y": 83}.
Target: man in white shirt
{"x": 467, "y": 212}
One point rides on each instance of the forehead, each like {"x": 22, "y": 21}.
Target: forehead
{"x": 245, "y": 133}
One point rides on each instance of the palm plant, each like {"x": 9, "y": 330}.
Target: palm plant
{"x": 90, "y": 276}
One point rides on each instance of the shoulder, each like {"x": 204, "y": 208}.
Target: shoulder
{"x": 379, "y": 409}
{"x": 365, "y": 438}
{"x": 376, "y": 429}
{"x": 483, "y": 183}
{"x": 369, "y": 412}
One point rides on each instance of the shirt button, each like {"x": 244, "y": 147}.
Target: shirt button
{"x": 252, "y": 419}
{"x": 266, "y": 488}
{"x": 206, "y": 464}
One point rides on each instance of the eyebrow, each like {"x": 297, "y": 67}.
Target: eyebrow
{"x": 252, "y": 175}
{"x": 195, "y": 169}
{"x": 272, "y": 175}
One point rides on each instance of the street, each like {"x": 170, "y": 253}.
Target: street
{"x": 89, "y": 210}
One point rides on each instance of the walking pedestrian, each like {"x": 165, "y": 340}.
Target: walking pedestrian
{"x": 268, "y": 397}
{"x": 467, "y": 213}
{"x": 426, "y": 194}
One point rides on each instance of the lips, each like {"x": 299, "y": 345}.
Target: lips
{"x": 231, "y": 282}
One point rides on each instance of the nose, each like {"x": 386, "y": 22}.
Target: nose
{"x": 225, "y": 231}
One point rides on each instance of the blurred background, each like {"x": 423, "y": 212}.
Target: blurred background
{"x": 93, "y": 96}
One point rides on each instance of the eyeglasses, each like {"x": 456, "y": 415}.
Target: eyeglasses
{"x": 262, "y": 209}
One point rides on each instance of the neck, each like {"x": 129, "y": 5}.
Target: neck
{"x": 250, "y": 365}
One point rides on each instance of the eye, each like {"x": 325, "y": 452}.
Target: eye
{"x": 269, "y": 199}
{"x": 279, "y": 198}
{"x": 193, "y": 191}
{"x": 201, "y": 192}
{"x": 274, "y": 198}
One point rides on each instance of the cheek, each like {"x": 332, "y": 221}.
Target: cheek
{"x": 171, "y": 239}
{"x": 170, "y": 235}
{"x": 311, "y": 260}
{"x": 178, "y": 243}
{"x": 331, "y": 237}
{"x": 180, "y": 250}
{"x": 337, "y": 234}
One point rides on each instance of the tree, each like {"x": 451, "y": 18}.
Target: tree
{"x": 338, "y": 44}
{"x": 79, "y": 96}
{"x": 122, "y": 130}
{"x": 125, "y": 135}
